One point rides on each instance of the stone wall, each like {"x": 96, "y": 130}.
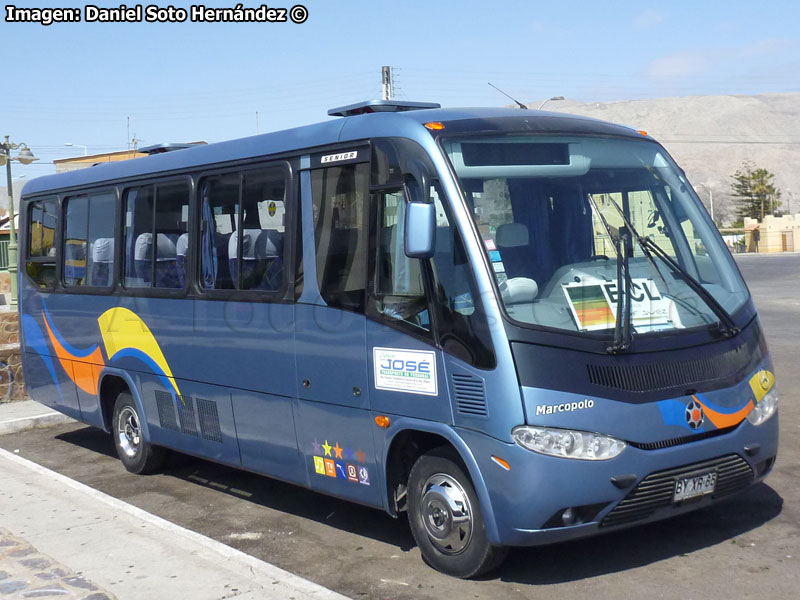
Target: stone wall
{"x": 12, "y": 385}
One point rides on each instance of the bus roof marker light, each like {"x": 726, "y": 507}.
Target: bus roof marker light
{"x": 434, "y": 125}
{"x": 641, "y": 131}
{"x": 382, "y": 421}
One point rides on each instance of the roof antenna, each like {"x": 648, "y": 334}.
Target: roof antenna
{"x": 520, "y": 104}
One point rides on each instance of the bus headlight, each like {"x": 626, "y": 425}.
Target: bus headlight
{"x": 764, "y": 409}
{"x": 568, "y": 443}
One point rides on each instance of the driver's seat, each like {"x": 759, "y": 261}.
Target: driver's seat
{"x": 513, "y": 243}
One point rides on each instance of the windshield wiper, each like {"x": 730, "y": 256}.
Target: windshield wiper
{"x": 726, "y": 325}
{"x": 622, "y": 325}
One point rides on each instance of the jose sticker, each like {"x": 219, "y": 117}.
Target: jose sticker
{"x": 412, "y": 371}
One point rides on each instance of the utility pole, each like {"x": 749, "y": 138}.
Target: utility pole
{"x": 386, "y": 78}
{"x": 711, "y": 199}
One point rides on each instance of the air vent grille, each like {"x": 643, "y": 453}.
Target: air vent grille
{"x": 665, "y": 375}
{"x": 687, "y": 439}
{"x": 166, "y": 411}
{"x": 186, "y": 415}
{"x": 209, "y": 420}
{"x": 470, "y": 395}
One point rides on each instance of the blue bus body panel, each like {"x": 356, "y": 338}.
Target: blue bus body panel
{"x": 47, "y": 380}
{"x": 331, "y": 357}
{"x": 391, "y": 402}
{"x": 339, "y": 451}
{"x": 266, "y": 433}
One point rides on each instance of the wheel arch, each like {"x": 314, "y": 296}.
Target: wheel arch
{"x": 407, "y": 439}
{"x": 111, "y": 383}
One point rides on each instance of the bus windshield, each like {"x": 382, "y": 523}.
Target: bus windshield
{"x": 575, "y": 225}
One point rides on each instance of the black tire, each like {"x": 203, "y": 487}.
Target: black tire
{"x": 136, "y": 454}
{"x": 450, "y": 534}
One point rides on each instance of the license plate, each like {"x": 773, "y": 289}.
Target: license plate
{"x": 695, "y": 485}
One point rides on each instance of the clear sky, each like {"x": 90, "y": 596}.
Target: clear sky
{"x": 79, "y": 83}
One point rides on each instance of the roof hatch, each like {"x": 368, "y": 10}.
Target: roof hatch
{"x": 370, "y": 106}
{"x": 161, "y": 148}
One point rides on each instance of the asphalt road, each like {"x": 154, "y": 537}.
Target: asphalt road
{"x": 746, "y": 547}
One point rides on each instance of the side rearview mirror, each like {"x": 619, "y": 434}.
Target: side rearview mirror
{"x": 420, "y": 229}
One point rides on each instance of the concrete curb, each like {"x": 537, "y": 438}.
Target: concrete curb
{"x": 189, "y": 553}
{"x": 33, "y": 422}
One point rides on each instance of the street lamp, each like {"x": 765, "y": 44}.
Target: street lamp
{"x": 85, "y": 148}
{"x": 554, "y": 98}
{"x": 26, "y": 157}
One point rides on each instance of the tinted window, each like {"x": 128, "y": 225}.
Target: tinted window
{"x": 252, "y": 203}
{"x": 220, "y": 219}
{"x": 399, "y": 294}
{"x": 172, "y": 235}
{"x": 88, "y": 252}
{"x": 168, "y": 225}
{"x": 260, "y": 247}
{"x": 340, "y": 232}
{"x": 139, "y": 203}
{"x": 41, "y": 264}
{"x": 463, "y": 330}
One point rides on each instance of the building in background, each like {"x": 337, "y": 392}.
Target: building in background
{"x": 773, "y": 234}
{"x": 81, "y": 162}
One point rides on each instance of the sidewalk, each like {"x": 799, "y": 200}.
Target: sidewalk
{"x": 60, "y": 538}
{"x": 27, "y": 414}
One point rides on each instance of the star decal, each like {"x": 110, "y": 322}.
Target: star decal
{"x": 348, "y": 454}
{"x": 337, "y": 450}
{"x": 316, "y": 446}
{"x": 360, "y": 455}
{"x": 327, "y": 448}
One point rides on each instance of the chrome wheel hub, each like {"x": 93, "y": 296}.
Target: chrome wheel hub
{"x": 128, "y": 432}
{"x": 446, "y": 513}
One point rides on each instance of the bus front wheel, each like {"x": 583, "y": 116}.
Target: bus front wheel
{"x": 136, "y": 454}
{"x": 445, "y": 517}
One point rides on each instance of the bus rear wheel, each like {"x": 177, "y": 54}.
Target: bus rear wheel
{"x": 445, "y": 517}
{"x": 136, "y": 454}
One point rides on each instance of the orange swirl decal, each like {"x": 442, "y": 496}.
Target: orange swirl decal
{"x": 82, "y": 369}
{"x": 722, "y": 420}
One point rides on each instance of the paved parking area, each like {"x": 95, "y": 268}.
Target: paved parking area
{"x": 746, "y": 547}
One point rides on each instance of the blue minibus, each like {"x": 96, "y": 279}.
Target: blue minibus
{"x": 517, "y": 327}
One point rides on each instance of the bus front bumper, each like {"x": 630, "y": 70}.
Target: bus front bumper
{"x": 529, "y": 500}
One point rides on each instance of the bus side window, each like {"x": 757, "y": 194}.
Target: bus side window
{"x": 263, "y": 229}
{"x": 88, "y": 252}
{"x": 172, "y": 233}
{"x": 341, "y": 234}
{"x": 41, "y": 263}
{"x": 463, "y": 329}
{"x": 139, "y": 236}
{"x": 220, "y": 218}
{"x": 143, "y": 267}
{"x": 399, "y": 294}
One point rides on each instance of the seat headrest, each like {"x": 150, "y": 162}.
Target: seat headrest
{"x": 512, "y": 235}
{"x": 166, "y": 246}
{"x": 256, "y": 244}
{"x": 182, "y": 245}
{"x": 103, "y": 250}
